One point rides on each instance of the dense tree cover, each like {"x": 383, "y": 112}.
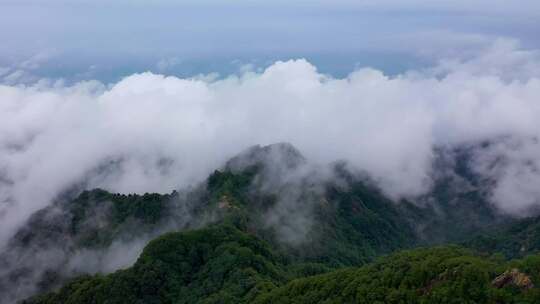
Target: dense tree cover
{"x": 224, "y": 265}
{"x": 458, "y": 203}
{"x": 515, "y": 240}
{"x": 356, "y": 225}
{"x": 213, "y": 265}
{"x": 95, "y": 218}
{"x": 117, "y": 213}
{"x": 90, "y": 222}
{"x": 431, "y": 275}
{"x": 241, "y": 258}
{"x": 236, "y": 185}
{"x": 353, "y": 225}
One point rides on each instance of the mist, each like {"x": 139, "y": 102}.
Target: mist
{"x": 155, "y": 133}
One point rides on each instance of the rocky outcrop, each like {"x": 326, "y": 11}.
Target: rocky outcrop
{"x": 513, "y": 277}
{"x": 224, "y": 203}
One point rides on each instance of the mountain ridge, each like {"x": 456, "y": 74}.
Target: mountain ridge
{"x": 308, "y": 216}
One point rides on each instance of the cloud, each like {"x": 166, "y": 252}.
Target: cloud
{"x": 514, "y": 165}
{"x": 22, "y": 72}
{"x": 36, "y": 60}
{"x": 150, "y": 132}
{"x": 502, "y": 58}
{"x": 167, "y": 63}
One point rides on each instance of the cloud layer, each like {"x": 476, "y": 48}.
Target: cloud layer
{"x": 150, "y": 132}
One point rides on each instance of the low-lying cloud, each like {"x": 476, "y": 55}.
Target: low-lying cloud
{"x": 151, "y": 132}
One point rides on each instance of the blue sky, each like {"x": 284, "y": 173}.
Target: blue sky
{"x": 109, "y": 39}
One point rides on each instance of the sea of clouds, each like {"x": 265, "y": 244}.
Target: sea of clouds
{"x": 156, "y": 133}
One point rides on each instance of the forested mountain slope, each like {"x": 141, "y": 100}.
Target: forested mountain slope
{"x": 430, "y": 275}
{"x": 518, "y": 239}
{"x": 224, "y": 265}
{"x": 213, "y": 265}
{"x": 306, "y": 220}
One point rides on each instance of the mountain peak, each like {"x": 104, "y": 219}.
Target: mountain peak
{"x": 282, "y": 154}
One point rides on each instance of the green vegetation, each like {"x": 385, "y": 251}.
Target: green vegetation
{"x": 149, "y": 208}
{"x": 432, "y": 275}
{"x": 352, "y": 226}
{"x": 213, "y": 265}
{"x": 227, "y": 183}
{"x": 240, "y": 258}
{"x": 99, "y": 217}
{"x": 518, "y": 239}
{"x": 355, "y": 226}
{"x": 95, "y": 218}
{"x": 221, "y": 264}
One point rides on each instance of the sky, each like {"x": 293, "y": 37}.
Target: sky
{"x": 136, "y": 96}
{"x": 152, "y": 96}
{"x": 108, "y": 40}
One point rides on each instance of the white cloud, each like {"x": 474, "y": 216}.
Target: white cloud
{"x": 165, "y": 132}
{"x": 167, "y": 63}
{"x": 502, "y": 58}
{"x": 14, "y": 77}
{"x": 36, "y": 60}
